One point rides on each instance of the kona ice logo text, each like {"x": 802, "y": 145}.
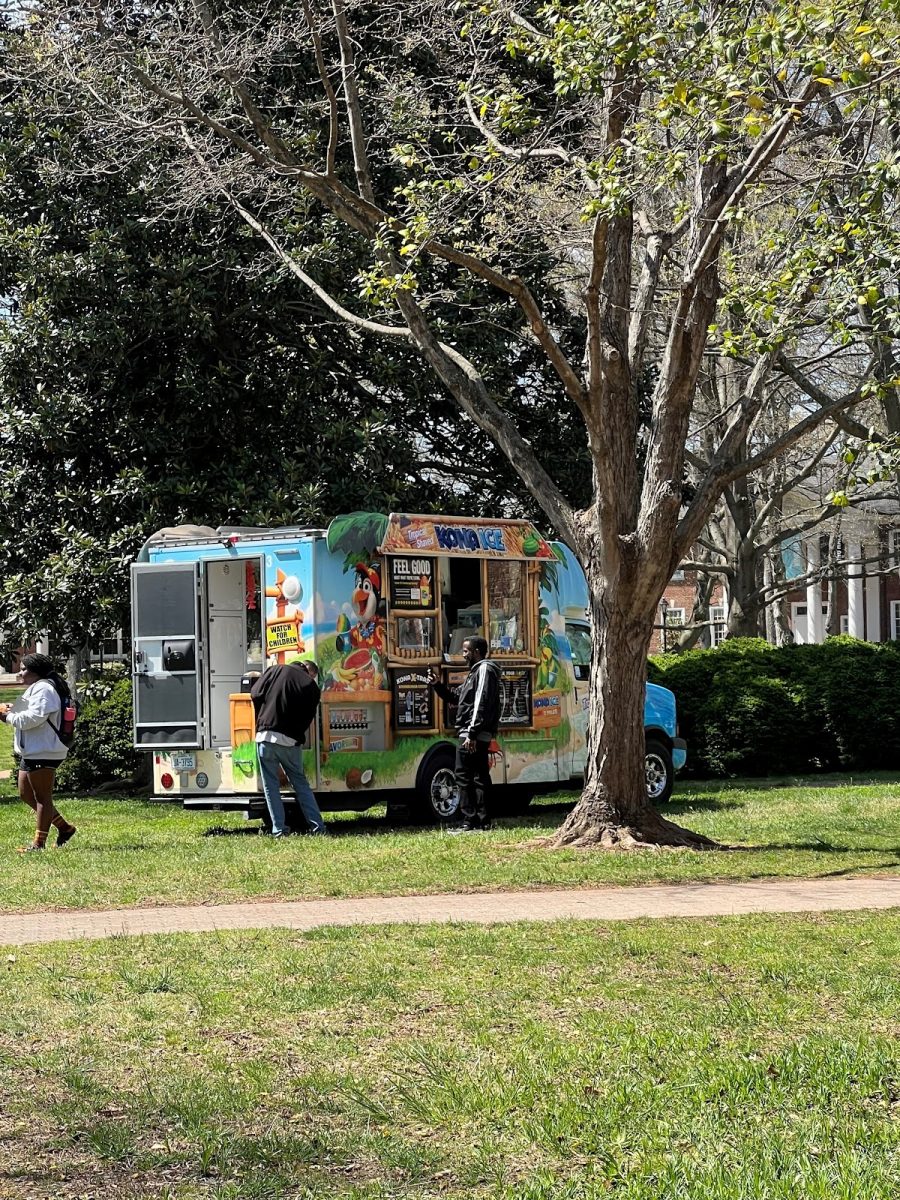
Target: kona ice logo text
{"x": 461, "y": 537}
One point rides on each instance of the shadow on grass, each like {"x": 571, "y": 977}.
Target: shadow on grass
{"x": 540, "y": 816}
{"x": 701, "y": 803}
{"x": 238, "y": 831}
{"x": 864, "y": 869}
{"x": 337, "y": 827}
{"x": 816, "y": 847}
{"x": 763, "y": 783}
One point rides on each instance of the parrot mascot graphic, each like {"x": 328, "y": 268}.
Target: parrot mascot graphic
{"x": 367, "y": 633}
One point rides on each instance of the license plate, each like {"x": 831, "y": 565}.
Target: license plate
{"x": 184, "y": 762}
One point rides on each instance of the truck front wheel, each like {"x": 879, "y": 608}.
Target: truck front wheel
{"x": 659, "y": 771}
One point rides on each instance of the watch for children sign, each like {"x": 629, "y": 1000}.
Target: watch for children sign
{"x": 282, "y": 636}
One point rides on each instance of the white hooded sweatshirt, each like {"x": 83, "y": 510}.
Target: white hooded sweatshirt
{"x": 30, "y": 717}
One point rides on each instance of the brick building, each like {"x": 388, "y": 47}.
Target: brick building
{"x": 863, "y": 584}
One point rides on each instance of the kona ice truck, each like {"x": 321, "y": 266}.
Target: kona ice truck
{"x": 375, "y": 601}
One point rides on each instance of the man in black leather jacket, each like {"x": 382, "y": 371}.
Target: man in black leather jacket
{"x": 477, "y": 719}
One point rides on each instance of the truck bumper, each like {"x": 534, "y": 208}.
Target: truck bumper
{"x": 679, "y": 753}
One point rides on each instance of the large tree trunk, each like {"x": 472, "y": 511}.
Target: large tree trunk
{"x": 744, "y": 608}
{"x": 75, "y": 667}
{"x": 784, "y": 635}
{"x": 614, "y": 812}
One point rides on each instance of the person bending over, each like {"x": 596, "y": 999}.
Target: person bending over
{"x": 285, "y": 699}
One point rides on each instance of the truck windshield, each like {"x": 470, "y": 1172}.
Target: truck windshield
{"x": 580, "y": 640}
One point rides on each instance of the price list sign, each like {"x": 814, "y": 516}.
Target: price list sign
{"x": 412, "y": 583}
{"x": 515, "y": 697}
{"x": 455, "y": 680}
{"x": 413, "y": 701}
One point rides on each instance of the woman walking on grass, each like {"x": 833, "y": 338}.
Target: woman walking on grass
{"x": 35, "y": 718}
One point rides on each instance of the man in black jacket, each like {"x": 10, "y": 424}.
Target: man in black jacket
{"x": 477, "y": 718}
{"x": 285, "y": 699}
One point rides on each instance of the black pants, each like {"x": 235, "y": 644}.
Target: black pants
{"x": 473, "y": 779}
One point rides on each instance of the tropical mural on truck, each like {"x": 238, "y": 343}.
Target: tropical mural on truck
{"x": 355, "y": 662}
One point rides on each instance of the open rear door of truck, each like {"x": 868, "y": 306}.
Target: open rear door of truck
{"x": 166, "y": 655}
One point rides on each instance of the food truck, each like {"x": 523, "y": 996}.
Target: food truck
{"x": 375, "y": 600}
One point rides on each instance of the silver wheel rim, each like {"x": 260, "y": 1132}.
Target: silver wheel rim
{"x": 657, "y": 776}
{"x": 444, "y": 796}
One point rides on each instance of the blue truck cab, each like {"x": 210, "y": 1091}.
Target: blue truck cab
{"x": 665, "y": 751}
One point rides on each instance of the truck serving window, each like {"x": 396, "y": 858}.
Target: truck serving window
{"x": 506, "y": 600}
{"x": 462, "y": 613}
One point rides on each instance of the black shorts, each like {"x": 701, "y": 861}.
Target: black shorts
{"x": 38, "y": 764}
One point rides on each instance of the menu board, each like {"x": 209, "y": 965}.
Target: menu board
{"x": 412, "y": 583}
{"x": 515, "y": 697}
{"x": 413, "y": 701}
{"x": 453, "y": 679}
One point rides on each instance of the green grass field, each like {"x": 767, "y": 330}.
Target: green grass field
{"x": 133, "y": 852}
{"x": 749, "y": 1058}
{"x": 746, "y": 1058}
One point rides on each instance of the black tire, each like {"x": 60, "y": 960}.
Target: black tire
{"x": 438, "y": 799}
{"x": 659, "y": 770}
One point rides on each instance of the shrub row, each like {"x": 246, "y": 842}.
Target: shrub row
{"x": 745, "y": 708}
{"x": 748, "y": 708}
{"x": 102, "y": 749}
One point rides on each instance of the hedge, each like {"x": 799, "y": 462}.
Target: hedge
{"x": 748, "y": 708}
{"x": 102, "y": 749}
{"x": 745, "y": 708}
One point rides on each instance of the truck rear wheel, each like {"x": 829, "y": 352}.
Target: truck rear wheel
{"x": 436, "y": 787}
{"x": 659, "y": 771}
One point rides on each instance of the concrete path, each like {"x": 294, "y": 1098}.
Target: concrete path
{"x": 483, "y": 908}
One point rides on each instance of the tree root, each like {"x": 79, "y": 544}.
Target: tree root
{"x": 581, "y": 832}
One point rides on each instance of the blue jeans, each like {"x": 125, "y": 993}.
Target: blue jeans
{"x": 271, "y": 757}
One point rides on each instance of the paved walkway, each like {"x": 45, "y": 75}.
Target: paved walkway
{"x": 483, "y": 908}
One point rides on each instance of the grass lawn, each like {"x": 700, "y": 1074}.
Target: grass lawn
{"x": 751, "y": 1058}
{"x": 133, "y": 852}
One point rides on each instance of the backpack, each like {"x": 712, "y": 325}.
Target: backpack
{"x": 68, "y": 716}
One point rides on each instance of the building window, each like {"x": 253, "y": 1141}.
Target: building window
{"x": 799, "y": 625}
{"x": 677, "y": 576}
{"x": 845, "y": 623}
{"x": 718, "y": 628}
{"x": 895, "y": 620}
{"x": 671, "y": 620}
{"x": 109, "y": 649}
{"x": 893, "y": 542}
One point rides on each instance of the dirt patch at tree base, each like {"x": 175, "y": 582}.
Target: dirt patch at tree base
{"x": 582, "y": 830}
